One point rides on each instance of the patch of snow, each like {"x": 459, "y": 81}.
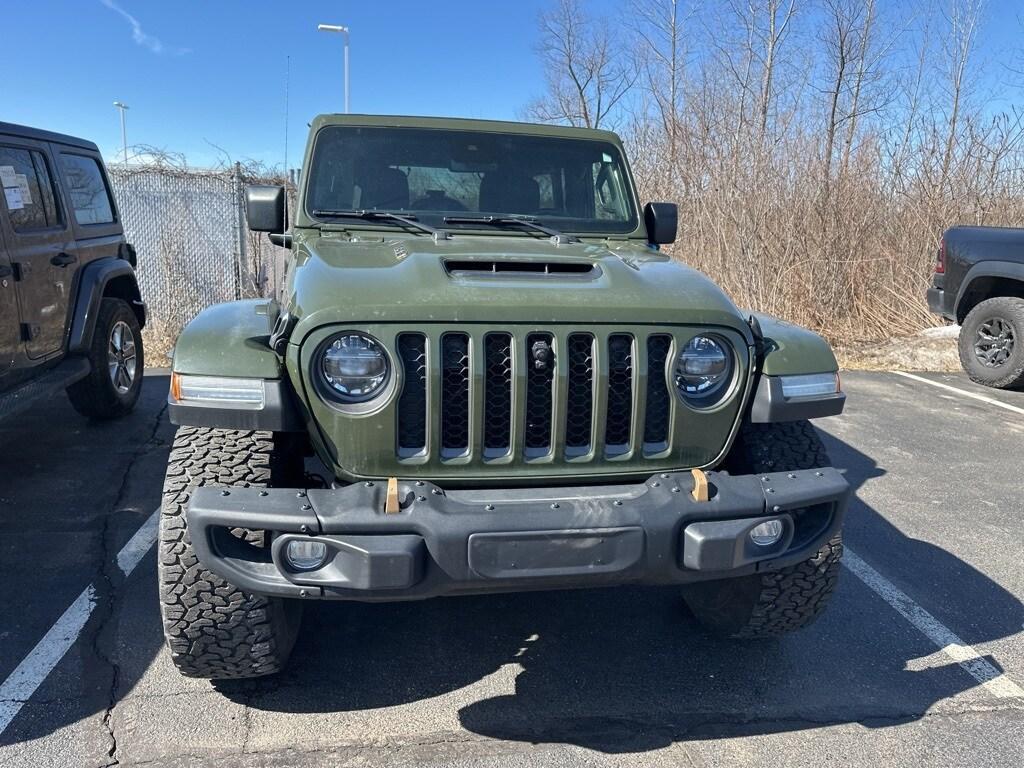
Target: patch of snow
{"x": 941, "y": 332}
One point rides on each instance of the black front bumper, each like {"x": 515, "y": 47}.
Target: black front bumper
{"x": 455, "y": 542}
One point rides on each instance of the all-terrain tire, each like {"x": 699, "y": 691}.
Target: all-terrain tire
{"x": 1010, "y": 372}
{"x": 772, "y": 603}
{"x": 214, "y": 629}
{"x": 97, "y": 396}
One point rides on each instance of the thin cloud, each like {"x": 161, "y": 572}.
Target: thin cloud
{"x": 139, "y": 35}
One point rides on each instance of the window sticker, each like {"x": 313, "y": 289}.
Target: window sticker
{"x": 22, "y": 184}
{"x": 7, "y": 175}
{"x": 13, "y": 195}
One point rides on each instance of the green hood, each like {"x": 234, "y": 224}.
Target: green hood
{"x": 350, "y": 278}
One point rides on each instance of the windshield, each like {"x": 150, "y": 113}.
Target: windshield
{"x": 575, "y": 185}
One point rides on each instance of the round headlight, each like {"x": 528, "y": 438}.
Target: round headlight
{"x": 703, "y": 370}
{"x": 354, "y": 367}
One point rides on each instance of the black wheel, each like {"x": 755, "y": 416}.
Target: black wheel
{"x": 214, "y": 629}
{"x": 992, "y": 343}
{"x": 117, "y": 361}
{"x": 771, "y": 604}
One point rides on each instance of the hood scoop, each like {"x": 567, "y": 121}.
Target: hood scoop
{"x": 482, "y": 268}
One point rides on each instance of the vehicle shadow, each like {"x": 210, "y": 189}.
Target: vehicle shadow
{"x": 615, "y": 670}
{"x": 627, "y": 669}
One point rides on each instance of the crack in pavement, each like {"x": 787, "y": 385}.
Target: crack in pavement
{"x": 108, "y": 589}
{"x": 676, "y": 735}
{"x": 360, "y": 749}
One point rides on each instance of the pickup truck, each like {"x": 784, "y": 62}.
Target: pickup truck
{"x": 979, "y": 283}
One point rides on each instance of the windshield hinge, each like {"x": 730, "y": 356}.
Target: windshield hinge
{"x": 282, "y": 330}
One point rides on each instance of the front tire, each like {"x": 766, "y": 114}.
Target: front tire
{"x": 116, "y": 362}
{"x": 991, "y": 343}
{"x": 215, "y": 630}
{"x": 778, "y": 602}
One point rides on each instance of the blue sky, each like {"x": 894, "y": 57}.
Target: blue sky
{"x": 197, "y": 74}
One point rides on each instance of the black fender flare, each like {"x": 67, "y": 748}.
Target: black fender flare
{"x": 92, "y": 284}
{"x": 1008, "y": 270}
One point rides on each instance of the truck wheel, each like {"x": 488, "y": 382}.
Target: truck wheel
{"x": 774, "y": 603}
{"x": 116, "y": 359}
{"x": 213, "y": 629}
{"x": 992, "y": 343}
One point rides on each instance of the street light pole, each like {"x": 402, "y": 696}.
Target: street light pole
{"x": 122, "y": 107}
{"x": 344, "y": 31}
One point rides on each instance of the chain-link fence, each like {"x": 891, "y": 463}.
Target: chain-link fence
{"x": 194, "y": 248}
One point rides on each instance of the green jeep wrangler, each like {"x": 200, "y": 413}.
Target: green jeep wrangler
{"x": 511, "y": 388}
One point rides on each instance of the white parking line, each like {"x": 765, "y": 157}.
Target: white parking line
{"x": 138, "y": 545}
{"x": 964, "y": 392}
{"x": 27, "y": 676}
{"x": 34, "y": 668}
{"x": 994, "y": 681}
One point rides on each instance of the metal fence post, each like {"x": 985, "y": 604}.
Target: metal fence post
{"x": 240, "y": 271}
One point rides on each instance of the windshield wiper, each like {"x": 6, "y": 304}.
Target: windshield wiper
{"x": 504, "y": 221}
{"x": 368, "y": 215}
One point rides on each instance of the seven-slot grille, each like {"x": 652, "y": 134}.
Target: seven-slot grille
{"x": 534, "y": 395}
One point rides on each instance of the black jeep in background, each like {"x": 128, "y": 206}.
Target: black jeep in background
{"x": 70, "y": 310}
{"x": 979, "y": 283}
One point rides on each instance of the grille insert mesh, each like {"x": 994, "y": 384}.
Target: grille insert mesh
{"x": 539, "y": 380}
{"x": 498, "y": 393}
{"x": 656, "y": 417}
{"x": 455, "y": 393}
{"x": 619, "y": 421}
{"x": 579, "y": 408}
{"x": 412, "y": 404}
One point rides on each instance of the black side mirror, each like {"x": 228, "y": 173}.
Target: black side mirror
{"x": 662, "y": 221}
{"x": 264, "y": 208}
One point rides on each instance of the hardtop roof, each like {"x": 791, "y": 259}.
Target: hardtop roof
{"x": 463, "y": 124}
{"x": 38, "y": 134}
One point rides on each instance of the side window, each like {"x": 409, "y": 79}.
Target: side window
{"x": 28, "y": 190}
{"x": 88, "y": 190}
{"x": 547, "y": 191}
{"x": 610, "y": 191}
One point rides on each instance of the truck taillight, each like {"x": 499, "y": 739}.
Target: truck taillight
{"x": 940, "y": 258}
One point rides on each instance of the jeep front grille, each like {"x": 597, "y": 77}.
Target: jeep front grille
{"x": 533, "y": 395}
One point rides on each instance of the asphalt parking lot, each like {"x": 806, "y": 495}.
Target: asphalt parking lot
{"x": 919, "y": 660}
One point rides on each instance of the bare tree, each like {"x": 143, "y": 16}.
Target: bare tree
{"x": 816, "y": 149}
{"x": 659, "y": 26}
{"x": 963, "y": 18}
{"x": 586, "y": 75}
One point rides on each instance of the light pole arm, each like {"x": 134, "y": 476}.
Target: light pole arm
{"x": 343, "y": 30}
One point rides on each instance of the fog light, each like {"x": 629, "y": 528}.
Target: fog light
{"x": 305, "y": 555}
{"x": 767, "y": 533}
